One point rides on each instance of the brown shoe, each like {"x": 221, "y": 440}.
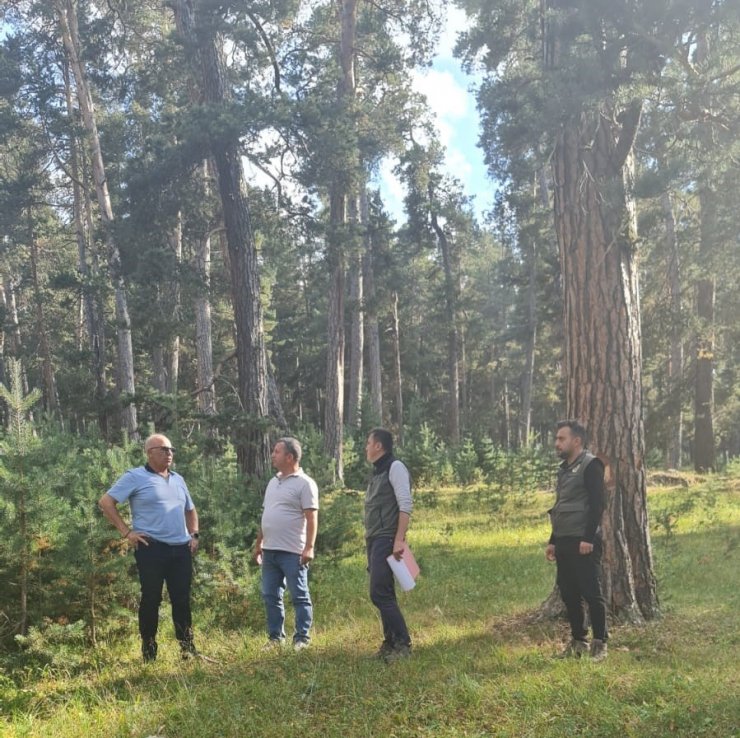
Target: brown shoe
{"x": 598, "y": 650}
{"x": 574, "y": 650}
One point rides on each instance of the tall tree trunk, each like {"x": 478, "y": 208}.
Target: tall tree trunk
{"x": 206, "y": 391}
{"x": 67, "y": 17}
{"x": 4, "y": 418}
{"x": 159, "y": 373}
{"x": 596, "y": 227}
{"x": 372, "y": 330}
{"x": 94, "y": 325}
{"x": 506, "y": 419}
{"x": 252, "y": 442}
{"x": 48, "y": 378}
{"x": 453, "y": 337}
{"x": 397, "y": 377}
{"x": 173, "y": 369}
{"x": 525, "y": 417}
{"x": 13, "y": 327}
{"x": 339, "y": 197}
{"x": 704, "y": 451}
{"x": 674, "y": 421}
{"x": 334, "y": 403}
{"x": 357, "y": 332}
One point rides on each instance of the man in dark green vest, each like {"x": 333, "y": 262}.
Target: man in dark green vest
{"x": 387, "y": 515}
{"x": 575, "y": 544}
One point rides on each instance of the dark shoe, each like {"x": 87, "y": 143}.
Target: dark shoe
{"x": 574, "y": 650}
{"x": 384, "y": 650}
{"x": 598, "y": 650}
{"x": 188, "y": 650}
{"x": 149, "y": 650}
{"x": 397, "y": 653}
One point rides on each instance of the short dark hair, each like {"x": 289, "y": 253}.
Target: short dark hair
{"x": 576, "y": 428}
{"x": 292, "y": 446}
{"x": 384, "y": 438}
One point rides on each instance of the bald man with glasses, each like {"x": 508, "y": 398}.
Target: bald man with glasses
{"x": 164, "y": 535}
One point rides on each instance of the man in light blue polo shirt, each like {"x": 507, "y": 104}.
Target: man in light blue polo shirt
{"x": 164, "y": 534}
{"x": 285, "y": 543}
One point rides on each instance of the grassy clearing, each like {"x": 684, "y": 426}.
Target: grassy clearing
{"x": 480, "y": 666}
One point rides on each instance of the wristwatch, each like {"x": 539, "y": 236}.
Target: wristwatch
{"x": 195, "y": 535}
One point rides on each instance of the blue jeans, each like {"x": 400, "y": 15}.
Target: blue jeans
{"x": 279, "y": 568}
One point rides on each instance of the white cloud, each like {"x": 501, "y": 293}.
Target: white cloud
{"x": 394, "y": 191}
{"x": 455, "y": 21}
{"x": 447, "y": 98}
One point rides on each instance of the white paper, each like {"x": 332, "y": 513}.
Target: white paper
{"x": 401, "y": 572}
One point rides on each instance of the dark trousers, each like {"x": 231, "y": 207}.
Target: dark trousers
{"x": 579, "y": 580}
{"x": 383, "y": 592}
{"x": 159, "y": 563}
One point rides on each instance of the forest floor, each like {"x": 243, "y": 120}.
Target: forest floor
{"x": 481, "y": 666}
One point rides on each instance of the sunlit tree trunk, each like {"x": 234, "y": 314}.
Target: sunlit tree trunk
{"x": 206, "y": 391}
{"x": 92, "y": 320}
{"x": 357, "y": 332}
{"x": 339, "y": 196}
{"x": 372, "y": 331}
{"x": 397, "y": 376}
{"x": 67, "y": 16}
{"x": 525, "y": 417}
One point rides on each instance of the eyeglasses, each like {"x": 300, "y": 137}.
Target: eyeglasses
{"x": 166, "y": 449}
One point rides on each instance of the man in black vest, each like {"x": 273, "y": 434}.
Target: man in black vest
{"x": 387, "y": 514}
{"x": 575, "y": 543}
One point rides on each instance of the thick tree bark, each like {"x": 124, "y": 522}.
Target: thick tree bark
{"x": 674, "y": 420}
{"x": 252, "y": 442}
{"x": 596, "y": 227}
{"x": 67, "y": 16}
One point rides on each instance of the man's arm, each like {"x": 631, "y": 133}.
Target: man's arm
{"x": 257, "y": 555}
{"x": 399, "y": 542}
{"x": 312, "y": 526}
{"x": 400, "y": 479}
{"x": 191, "y": 521}
{"x": 593, "y": 481}
{"x": 108, "y": 506}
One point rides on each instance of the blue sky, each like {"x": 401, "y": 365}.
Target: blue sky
{"x": 448, "y": 91}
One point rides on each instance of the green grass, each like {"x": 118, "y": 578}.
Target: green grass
{"x": 481, "y": 665}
